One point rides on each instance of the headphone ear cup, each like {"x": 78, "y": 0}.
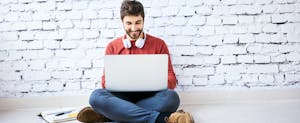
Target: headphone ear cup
{"x": 140, "y": 43}
{"x": 126, "y": 43}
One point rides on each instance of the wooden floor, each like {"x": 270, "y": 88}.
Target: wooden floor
{"x": 207, "y": 106}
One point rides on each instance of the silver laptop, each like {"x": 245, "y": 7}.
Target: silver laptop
{"x": 129, "y": 73}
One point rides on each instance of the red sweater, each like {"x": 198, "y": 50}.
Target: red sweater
{"x": 152, "y": 45}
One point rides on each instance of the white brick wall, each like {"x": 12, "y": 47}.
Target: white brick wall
{"x": 56, "y": 46}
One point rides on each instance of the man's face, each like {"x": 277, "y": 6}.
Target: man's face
{"x": 133, "y": 26}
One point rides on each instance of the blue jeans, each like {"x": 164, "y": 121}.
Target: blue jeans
{"x": 134, "y": 107}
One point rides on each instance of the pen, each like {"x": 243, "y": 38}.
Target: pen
{"x": 63, "y": 113}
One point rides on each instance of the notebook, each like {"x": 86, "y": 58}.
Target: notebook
{"x": 134, "y": 73}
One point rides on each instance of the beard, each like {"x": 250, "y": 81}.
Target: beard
{"x": 134, "y": 34}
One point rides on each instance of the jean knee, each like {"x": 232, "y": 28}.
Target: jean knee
{"x": 95, "y": 96}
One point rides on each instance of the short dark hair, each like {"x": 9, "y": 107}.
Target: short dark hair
{"x": 132, "y": 7}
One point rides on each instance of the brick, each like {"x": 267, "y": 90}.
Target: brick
{"x": 200, "y": 81}
{"x": 11, "y": 16}
{"x": 84, "y": 63}
{"x": 261, "y": 59}
{"x": 292, "y": 78}
{"x": 278, "y": 58}
{"x": 38, "y": 54}
{"x": 91, "y": 33}
{"x": 222, "y": 30}
{"x": 293, "y": 17}
{"x": 98, "y": 63}
{"x": 90, "y": 14}
{"x": 19, "y": 26}
{"x": 55, "y": 86}
{"x": 189, "y": 31}
{"x": 89, "y": 84}
{"x": 163, "y": 21}
{"x": 66, "y": 24}
{"x": 70, "y": 74}
{"x": 194, "y": 3}
{"x": 185, "y": 80}
{"x": 293, "y": 56}
{"x": 76, "y": 15}
{"x": 35, "y": 45}
{"x": 25, "y": 16}
{"x": 206, "y": 30}
{"x": 211, "y": 60}
{"x": 245, "y": 19}
{"x": 186, "y": 11}
{"x": 264, "y": 2}
{"x": 238, "y": 29}
{"x": 279, "y": 18}
{"x": 229, "y": 50}
{"x": 211, "y": 2}
{"x": 82, "y": 24}
{"x": 263, "y": 18}
{"x": 188, "y": 60}
{"x": 279, "y": 78}
{"x": 98, "y": 24}
{"x": 293, "y": 37}
{"x": 9, "y": 36}
{"x": 250, "y": 78}
{"x": 37, "y": 64}
{"x": 263, "y": 38}
{"x": 51, "y": 44}
{"x": 247, "y": 38}
{"x": 246, "y": 2}
{"x": 39, "y": 87}
{"x": 179, "y": 21}
{"x": 221, "y": 10}
{"x": 217, "y": 79}
{"x": 278, "y": 38}
{"x": 287, "y": 8}
{"x": 288, "y": 68}
{"x": 199, "y": 71}
{"x": 231, "y": 69}
{"x": 229, "y": 2}
{"x": 197, "y": 20}
{"x": 93, "y": 73}
{"x": 262, "y": 69}
{"x": 28, "y": 35}
{"x": 170, "y": 11}
{"x": 231, "y": 39}
{"x": 80, "y": 5}
{"x": 284, "y": 1}
{"x": 22, "y": 87}
{"x": 34, "y": 25}
{"x": 213, "y": 20}
{"x": 64, "y": 6}
{"x": 74, "y": 34}
{"x": 181, "y": 51}
{"x": 39, "y": 15}
{"x": 60, "y": 64}
{"x": 267, "y": 79}
{"x": 232, "y": 78}
{"x": 183, "y": 41}
{"x": 270, "y": 9}
{"x": 154, "y": 12}
{"x": 210, "y": 40}
{"x": 36, "y": 75}
{"x": 172, "y": 31}
{"x": 107, "y": 33}
{"x": 228, "y": 59}
{"x": 229, "y": 20}
{"x": 72, "y": 85}
{"x": 75, "y": 54}
{"x": 270, "y": 28}
{"x": 10, "y": 76}
{"x": 115, "y": 24}
{"x": 200, "y": 50}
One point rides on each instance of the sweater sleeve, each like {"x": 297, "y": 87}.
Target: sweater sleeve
{"x": 172, "y": 80}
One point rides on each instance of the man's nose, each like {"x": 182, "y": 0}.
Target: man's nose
{"x": 133, "y": 27}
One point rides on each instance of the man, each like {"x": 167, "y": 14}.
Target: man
{"x": 133, "y": 107}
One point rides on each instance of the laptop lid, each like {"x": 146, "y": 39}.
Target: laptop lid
{"x": 141, "y": 72}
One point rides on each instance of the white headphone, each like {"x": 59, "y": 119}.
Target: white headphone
{"x": 139, "y": 43}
